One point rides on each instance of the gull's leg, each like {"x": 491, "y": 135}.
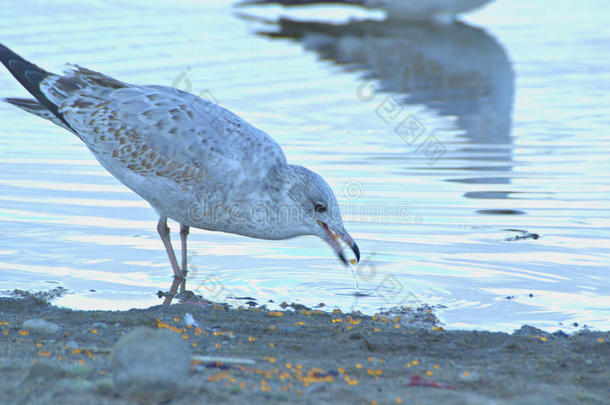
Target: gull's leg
{"x": 164, "y": 233}
{"x": 184, "y": 233}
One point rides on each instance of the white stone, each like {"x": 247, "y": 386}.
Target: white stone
{"x": 41, "y": 326}
{"x": 150, "y": 365}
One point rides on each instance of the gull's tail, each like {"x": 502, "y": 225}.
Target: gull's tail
{"x": 30, "y": 76}
{"x": 34, "y": 107}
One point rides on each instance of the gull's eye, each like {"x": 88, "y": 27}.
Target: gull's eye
{"x": 319, "y": 207}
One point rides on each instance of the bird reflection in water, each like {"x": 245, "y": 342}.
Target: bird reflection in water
{"x": 456, "y": 71}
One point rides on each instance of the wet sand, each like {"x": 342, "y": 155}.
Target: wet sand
{"x": 301, "y": 355}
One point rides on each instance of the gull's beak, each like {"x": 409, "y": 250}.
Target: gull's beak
{"x": 332, "y": 238}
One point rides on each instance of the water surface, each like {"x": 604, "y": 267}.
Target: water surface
{"x": 470, "y": 160}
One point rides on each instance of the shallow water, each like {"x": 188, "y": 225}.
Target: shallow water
{"x": 450, "y": 149}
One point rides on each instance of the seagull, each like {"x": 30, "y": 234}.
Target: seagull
{"x": 442, "y": 11}
{"x": 192, "y": 160}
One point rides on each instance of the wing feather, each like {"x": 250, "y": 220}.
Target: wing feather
{"x": 161, "y": 131}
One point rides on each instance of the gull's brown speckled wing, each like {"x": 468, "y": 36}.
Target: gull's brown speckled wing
{"x": 148, "y": 134}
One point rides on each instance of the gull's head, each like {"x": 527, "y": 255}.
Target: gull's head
{"x": 317, "y": 210}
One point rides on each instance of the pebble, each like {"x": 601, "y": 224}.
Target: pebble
{"x": 150, "y": 365}
{"x": 99, "y": 325}
{"x": 71, "y": 345}
{"x": 75, "y": 384}
{"x": 40, "y": 326}
{"x": 190, "y": 321}
{"x": 528, "y": 331}
{"x": 316, "y": 389}
{"x": 471, "y": 377}
{"x": 43, "y": 370}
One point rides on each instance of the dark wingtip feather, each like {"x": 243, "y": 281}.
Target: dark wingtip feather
{"x": 30, "y": 76}
{"x": 26, "y": 73}
{"x": 22, "y": 102}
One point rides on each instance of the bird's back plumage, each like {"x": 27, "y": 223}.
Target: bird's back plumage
{"x": 154, "y": 138}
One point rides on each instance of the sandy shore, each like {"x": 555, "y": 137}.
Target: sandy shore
{"x": 299, "y": 355}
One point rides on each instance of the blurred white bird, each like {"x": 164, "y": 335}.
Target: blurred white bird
{"x": 431, "y": 10}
